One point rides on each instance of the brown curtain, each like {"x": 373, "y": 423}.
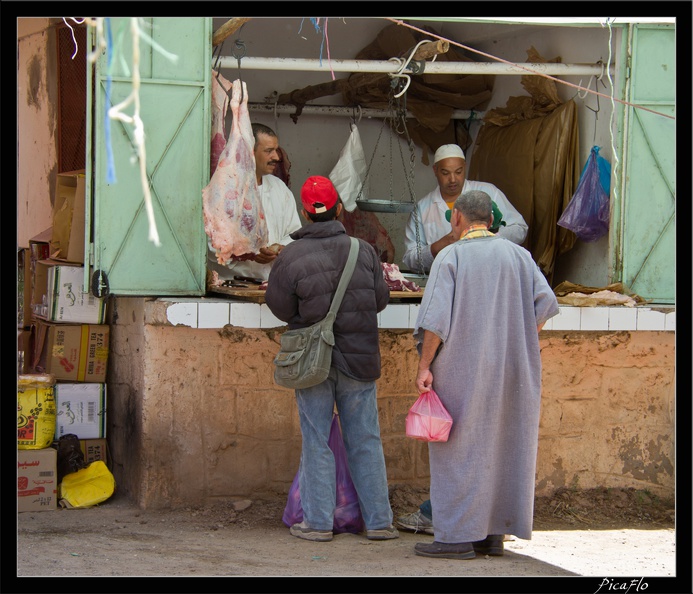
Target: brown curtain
{"x": 535, "y": 163}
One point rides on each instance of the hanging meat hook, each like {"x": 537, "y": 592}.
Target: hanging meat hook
{"x": 238, "y": 52}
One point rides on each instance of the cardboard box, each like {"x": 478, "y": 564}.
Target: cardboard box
{"x": 37, "y": 480}
{"x": 80, "y": 409}
{"x": 73, "y": 353}
{"x": 94, "y": 449}
{"x": 24, "y": 350}
{"x": 24, "y": 284}
{"x": 39, "y": 249}
{"x": 67, "y": 239}
{"x": 58, "y": 296}
{"x": 39, "y": 246}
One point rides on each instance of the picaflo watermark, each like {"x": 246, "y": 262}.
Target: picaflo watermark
{"x": 609, "y": 585}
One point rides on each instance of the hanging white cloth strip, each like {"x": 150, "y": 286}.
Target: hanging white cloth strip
{"x": 349, "y": 173}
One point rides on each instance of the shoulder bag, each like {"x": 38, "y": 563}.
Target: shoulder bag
{"x": 305, "y": 355}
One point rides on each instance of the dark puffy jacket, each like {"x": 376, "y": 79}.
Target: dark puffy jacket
{"x": 302, "y": 283}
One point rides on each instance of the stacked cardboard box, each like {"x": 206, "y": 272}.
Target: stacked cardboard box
{"x": 36, "y": 460}
{"x": 67, "y": 237}
{"x": 37, "y": 480}
{"x": 80, "y": 409}
{"x": 57, "y": 295}
{"x": 61, "y": 332}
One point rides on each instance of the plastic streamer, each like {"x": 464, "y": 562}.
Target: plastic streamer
{"x": 110, "y": 164}
{"x": 104, "y": 42}
{"x": 325, "y": 39}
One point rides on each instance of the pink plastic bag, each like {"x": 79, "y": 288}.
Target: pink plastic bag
{"x": 347, "y": 513}
{"x": 427, "y": 419}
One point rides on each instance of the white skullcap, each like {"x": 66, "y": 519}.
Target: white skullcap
{"x": 446, "y": 151}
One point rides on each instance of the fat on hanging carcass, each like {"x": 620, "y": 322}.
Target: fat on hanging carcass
{"x": 234, "y": 219}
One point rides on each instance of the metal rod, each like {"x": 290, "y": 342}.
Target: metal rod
{"x": 327, "y": 66}
{"x": 366, "y": 112}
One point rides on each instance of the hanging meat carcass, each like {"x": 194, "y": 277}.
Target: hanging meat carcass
{"x": 233, "y": 216}
{"x": 220, "y": 104}
{"x": 365, "y": 225}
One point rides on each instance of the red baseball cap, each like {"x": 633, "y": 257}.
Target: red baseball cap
{"x": 318, "y": 194}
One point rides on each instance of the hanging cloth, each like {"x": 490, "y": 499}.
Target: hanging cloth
{"x": 349, "y": 173}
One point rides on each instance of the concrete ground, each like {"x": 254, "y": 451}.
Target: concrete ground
{"x": 118, "y": 540}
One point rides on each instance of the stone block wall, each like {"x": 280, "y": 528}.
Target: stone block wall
{"x": 194, "y": 415}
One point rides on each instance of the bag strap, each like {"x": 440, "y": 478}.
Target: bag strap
{"x": 346, "y": 276}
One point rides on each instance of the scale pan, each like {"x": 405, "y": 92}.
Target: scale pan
{"x": 385, "y": 205}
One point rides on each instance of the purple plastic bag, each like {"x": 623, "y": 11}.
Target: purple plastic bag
{"x": 347, "y": 513}
{"x": 588, "y": 212}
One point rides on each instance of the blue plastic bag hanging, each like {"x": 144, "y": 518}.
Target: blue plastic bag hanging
{"x": 588, "y": 212}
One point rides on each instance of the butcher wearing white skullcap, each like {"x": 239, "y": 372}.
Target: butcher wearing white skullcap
{"x": 446, "y": 151}
{"x": 429, "y": 230}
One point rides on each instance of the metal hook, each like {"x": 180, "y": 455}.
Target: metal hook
{"x": 353, "y": 114}
{"x": 589, "y": 84}
{"x": 217, "y": 63}
{"x": 411, "y": 55}
{"x": 402, "y": 66}
{"x": 238, "y": 52}
{"x": 601, "y": 75}
{"x": 404, "y": 90}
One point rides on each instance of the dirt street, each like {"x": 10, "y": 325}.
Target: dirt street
{"x": 597, "y": 535}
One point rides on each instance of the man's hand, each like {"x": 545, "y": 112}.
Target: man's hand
{"x": 443, "y": 242}
{"x": 424, "y": 380}
{"x": 269, "y": 253}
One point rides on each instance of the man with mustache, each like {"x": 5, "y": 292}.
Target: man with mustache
{"x": 278, "y": 204}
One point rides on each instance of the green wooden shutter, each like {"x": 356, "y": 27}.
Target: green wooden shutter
{"x": 648, "y": 249}
{"x": 174, "y": 100}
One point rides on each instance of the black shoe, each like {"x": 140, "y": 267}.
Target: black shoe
{"x": 460, "y": 550}
{"x": 492, "y": 545}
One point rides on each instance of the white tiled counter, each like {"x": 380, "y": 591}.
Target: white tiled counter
{"x": 212, "y": 313}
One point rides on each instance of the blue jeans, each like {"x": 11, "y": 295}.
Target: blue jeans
{"x": 426, "y": 509}
{"x": 358, "y": 414}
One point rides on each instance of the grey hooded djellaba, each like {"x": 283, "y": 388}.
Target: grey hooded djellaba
{"x": 485, "y": 298}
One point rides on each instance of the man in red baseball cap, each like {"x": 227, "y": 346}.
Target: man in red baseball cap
{"x": 318, "y": 195}
{"x": 300, "y": 288}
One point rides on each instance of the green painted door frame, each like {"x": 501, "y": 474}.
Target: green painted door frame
{"x": 173, "y": 95}
{"x": 643, "y": 228}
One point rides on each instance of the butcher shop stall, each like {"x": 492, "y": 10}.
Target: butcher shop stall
{"x": 193, "y": 414}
